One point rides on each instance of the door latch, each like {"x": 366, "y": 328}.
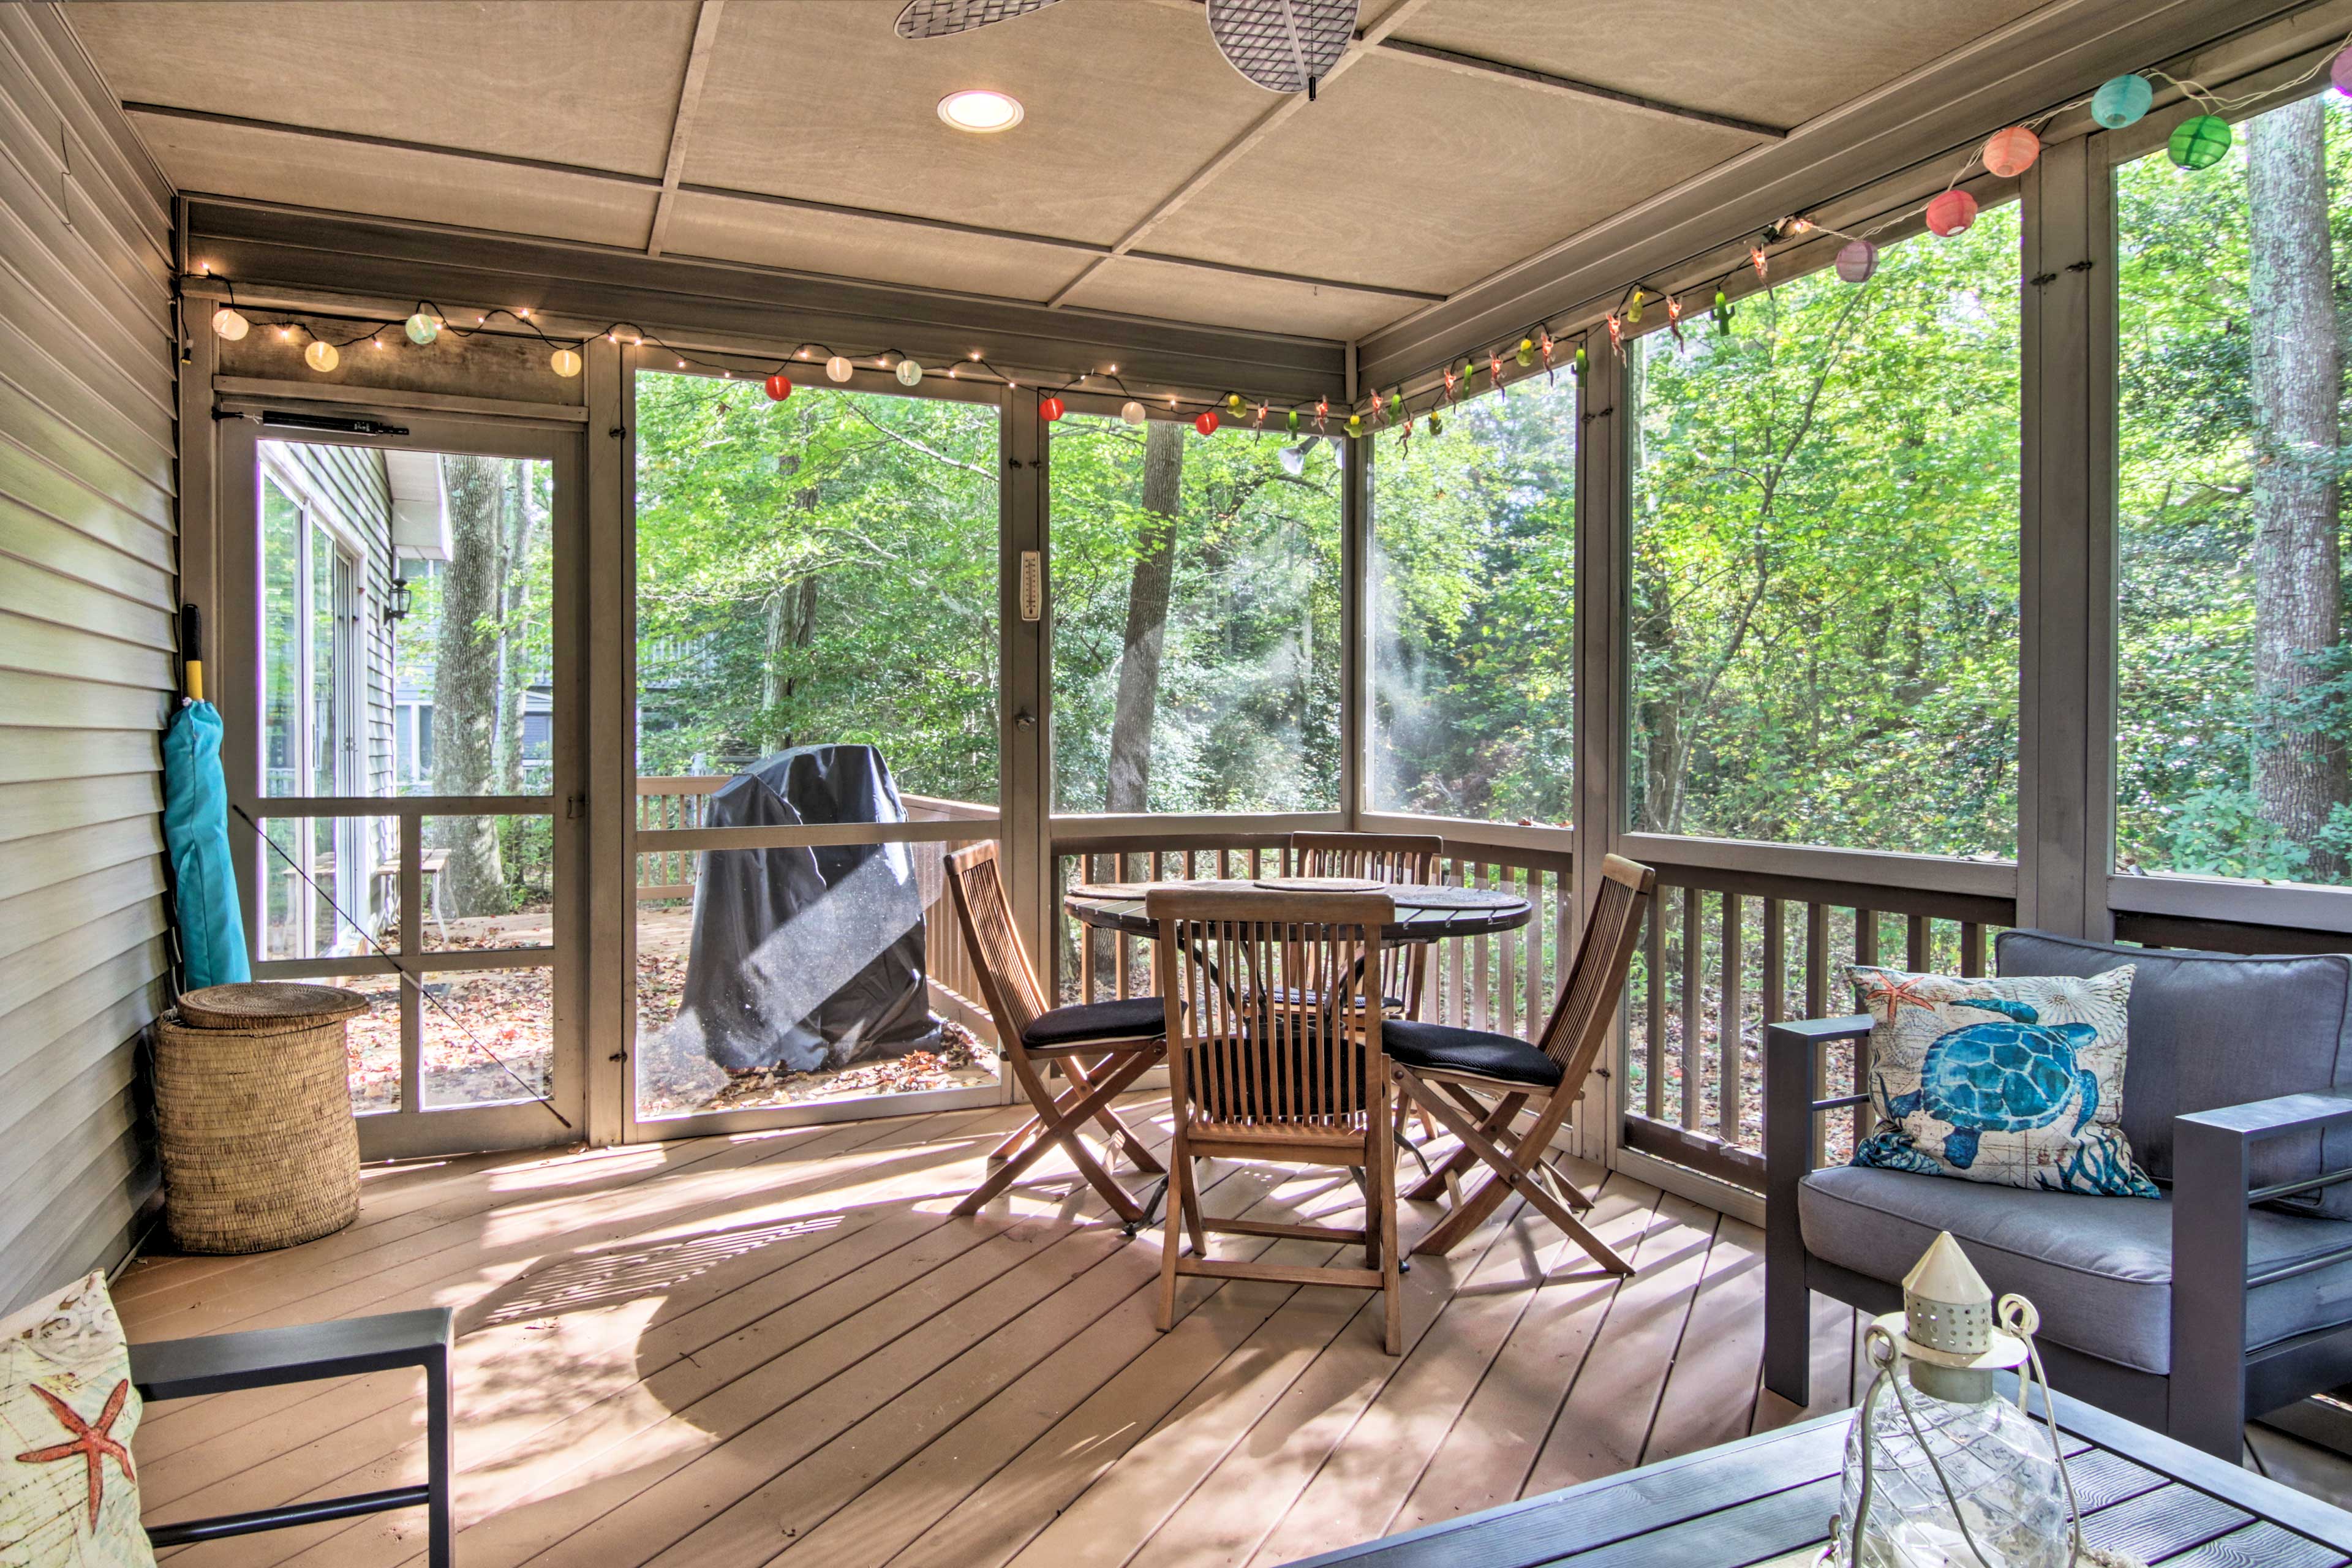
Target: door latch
{"x": 575, "y": 806}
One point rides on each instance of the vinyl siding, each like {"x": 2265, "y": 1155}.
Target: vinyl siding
{"x": 88, "y": 513}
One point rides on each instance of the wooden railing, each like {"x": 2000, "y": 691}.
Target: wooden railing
{"x": 1726, "y": 954}
{"x": 669, "y": 874}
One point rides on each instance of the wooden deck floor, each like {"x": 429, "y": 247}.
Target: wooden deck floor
{"x": 780, "y": 1349}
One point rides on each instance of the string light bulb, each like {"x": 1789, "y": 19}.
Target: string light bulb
{"x": 908, "y": 373}
{"x": 564, "y": 363}
{"x": 1132, "y": 412}
{"x": 321, "y": 355}
{"x": 838, "y": 368}
{"x": 229, "y": 324}
{"x": 421, "y": 328}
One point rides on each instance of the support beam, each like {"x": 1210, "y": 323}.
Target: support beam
{"x": 1240, "y": 147}
{"x": 1478, "y": 66}
{"x": 689, "y": 93}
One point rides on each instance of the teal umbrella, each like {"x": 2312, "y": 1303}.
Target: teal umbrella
{"x": 195, "y": 831}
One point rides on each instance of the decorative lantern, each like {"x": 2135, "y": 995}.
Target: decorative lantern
{"x": 1525, "y": 355}
{"x": 1633, "y": 309}
{"x": 2200, "y": 141}
{"x": 229, "y": 325}
{"x": 2008, "y": 153}
{"x": 1939, "y": 1467}
{"x": 398, "y": 608}
{"x": 1355, "y": 423}
{"x": 321, "y": 355}
{"x": 1293, "y": 419}
{"x": 1583, "y": 361}
{"x": 421, "y": 328}
{"x": 908, "y": 373}
{"x": 778, "y": 386}
{"x": 1132, "y": 412}
{"x": 1722, "y": 312}
{"x": 1951, "y": 212}
{"x": 1234, "y": 402}
{"x": 2340, "y": 70}
{"x": 837, "y": 368}
{"x": 1207, "y": 423}
{"x": 1437, "y": 423}
{"x": 2122, "y": 100}
{"x": 564, "y": 363}
{"x": 1857, "y": 261}
{"x": 1049, "y": 409}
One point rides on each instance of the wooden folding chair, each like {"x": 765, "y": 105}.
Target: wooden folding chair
{"x": 1445, "y": 1071}
{"x": 1100, "y": 1046}
{"x": 1380, "y": 857}
{"x": 1274, "y": 1057}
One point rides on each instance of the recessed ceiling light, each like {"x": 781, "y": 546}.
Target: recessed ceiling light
{"x": 980, "y": 110}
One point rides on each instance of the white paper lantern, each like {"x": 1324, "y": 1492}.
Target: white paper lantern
{"x": 229, "y": 325}
{"x": 908, "y": 373}
{"x": 321, "y": 356}
{"x": 1132, "y": 412}
{"x": 564, "y": 363}
{"x": 838, "y": 369}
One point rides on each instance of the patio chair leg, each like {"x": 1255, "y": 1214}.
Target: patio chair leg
{"x": 1389, "y": 1264}
{"x": 1063, "y": 1118}
{"x": 1180, "y": 1177}
{"x": 1508, "y": 1172}
{"x": 1016, "y": 1140}
{"x": 1440, "y": 1180}
{"x": 1140, "y": 1157}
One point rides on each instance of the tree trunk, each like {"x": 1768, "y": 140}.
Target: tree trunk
{"x": 2299, "y": 767}
{"x": 1147, "y": 619}
{"x": 515, "y": 672}
{"x": 792, "y": 623}
{"x": 465, "y": 685}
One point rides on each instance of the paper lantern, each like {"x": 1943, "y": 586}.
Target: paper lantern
{"x": 2008, "y": 153}
{"x": 2198, "y": 142}
{"x": 564, "y": 363}
{"x": 421, "y": 328}
{"x": 778, "y": 386}
{"x": 1132, "y": 412}
{"x": 229, "y": 325}
{"x": 2340, "y": 70}
{"x": 1951, "y": 212}
{"x": 1049, "y": 409}
{"x": 2122, "y": 100}
{"x": 1207, "y": 423}
{"x": 838, "y": 369}
{"x": 321, "y": 356}
{"x": 908, "y": 373}
{"x": 1857, "y": 261}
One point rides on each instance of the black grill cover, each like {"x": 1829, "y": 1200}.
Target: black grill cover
{"x": 807, "y": 958}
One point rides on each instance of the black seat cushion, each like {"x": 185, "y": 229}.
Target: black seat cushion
{"x": 1445, "y": 1048}
{"x": 1130, "y": 1018}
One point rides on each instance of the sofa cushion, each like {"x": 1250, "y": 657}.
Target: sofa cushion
{"x": 2015, "y": 1081}
{"x": 2100, "y": 1272}
{"x": 2210, "y": 1029}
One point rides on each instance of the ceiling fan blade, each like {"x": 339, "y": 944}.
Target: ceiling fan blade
{"x": 1283, "y": 46}
{"x": 944, "y": 18}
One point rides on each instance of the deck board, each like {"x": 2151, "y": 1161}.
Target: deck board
{"x": 781, "y": 1348}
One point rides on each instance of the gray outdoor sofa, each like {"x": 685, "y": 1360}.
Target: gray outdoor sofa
{"x": 2229, "y": 1296}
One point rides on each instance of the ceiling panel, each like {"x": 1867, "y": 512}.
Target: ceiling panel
{"x": 1778, "y": 62}
{"x": 737, "y": 229}
{"x": 1136, "y": 287}
{"x": 823, "y": 101}
{"x": 589, "y": 82}
{"x": 429, "y": 187}
{"x": 1413, "y": 177}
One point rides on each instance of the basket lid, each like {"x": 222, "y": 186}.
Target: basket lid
{"x": 271, "y": 1004}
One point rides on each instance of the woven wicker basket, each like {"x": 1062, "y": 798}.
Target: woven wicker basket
{"x": 259, "y": 1147}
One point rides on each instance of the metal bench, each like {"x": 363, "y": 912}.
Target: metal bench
{"x": 263, "y": 1358}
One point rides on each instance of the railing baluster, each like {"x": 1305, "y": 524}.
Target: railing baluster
{"x": 1507, "y": 977}
{"x": 1916, "y": 951}
{"x": 1817, "y": 960}
{"x": 1533, "y": 997}
{"x": 1728, "y": 1035}
{"x": 1479, "y": 1014}
{"x": 1972, "y": 949}
{"x": 1866, "y": 936}
{"x": 1689, "y": 1054}
{"x": 1653, "y": 957}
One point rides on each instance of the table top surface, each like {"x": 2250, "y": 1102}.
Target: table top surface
{"x": 1425, "y": 912}
{"x": 1769, "y": 1499}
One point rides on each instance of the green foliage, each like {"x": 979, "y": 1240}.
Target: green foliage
{"x": 1248, "y": 715}
{"x": 821, "y": 570}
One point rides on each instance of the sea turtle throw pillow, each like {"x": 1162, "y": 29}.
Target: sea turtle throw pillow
{"x": 68, "y": 1496}
{"x": 2019, "y": 1081}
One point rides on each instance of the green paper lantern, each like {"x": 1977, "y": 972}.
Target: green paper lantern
{"x": 2198, "y": 142}
{"x": 422, "y": 327}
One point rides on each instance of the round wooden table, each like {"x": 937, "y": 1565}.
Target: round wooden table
{"x": 1425, "y": 913}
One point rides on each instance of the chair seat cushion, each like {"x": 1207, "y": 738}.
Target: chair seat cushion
{"x": 2100, "y": 1271}
{"x": 1129, "y": 1018}
{"x": 1444, "y": 1048}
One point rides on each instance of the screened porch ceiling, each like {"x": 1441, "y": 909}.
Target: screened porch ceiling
{"x": 1149, "y": 179}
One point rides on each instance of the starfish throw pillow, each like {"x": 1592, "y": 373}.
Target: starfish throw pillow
{"x": 69, "y": 1498}
{"x": 2019, "y": 1081}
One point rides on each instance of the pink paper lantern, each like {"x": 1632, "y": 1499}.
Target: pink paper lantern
{"x": 2008, "y": 153}
{"x": 2340, "y": 72}
{"x": 1857, "y": 261}
{"x": 1951, "y": 212}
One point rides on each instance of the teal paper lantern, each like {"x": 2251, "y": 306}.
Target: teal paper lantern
{"x": 2121, "y": 100}
{"x": 2198, "y": 142}
{"x": 422, "y": 327}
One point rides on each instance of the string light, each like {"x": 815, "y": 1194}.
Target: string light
{"x": 321, "y": 355}
{"x": 838, "y": 368}
{"x": 564, "y": 363}
{"x": 229, "y": 324}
